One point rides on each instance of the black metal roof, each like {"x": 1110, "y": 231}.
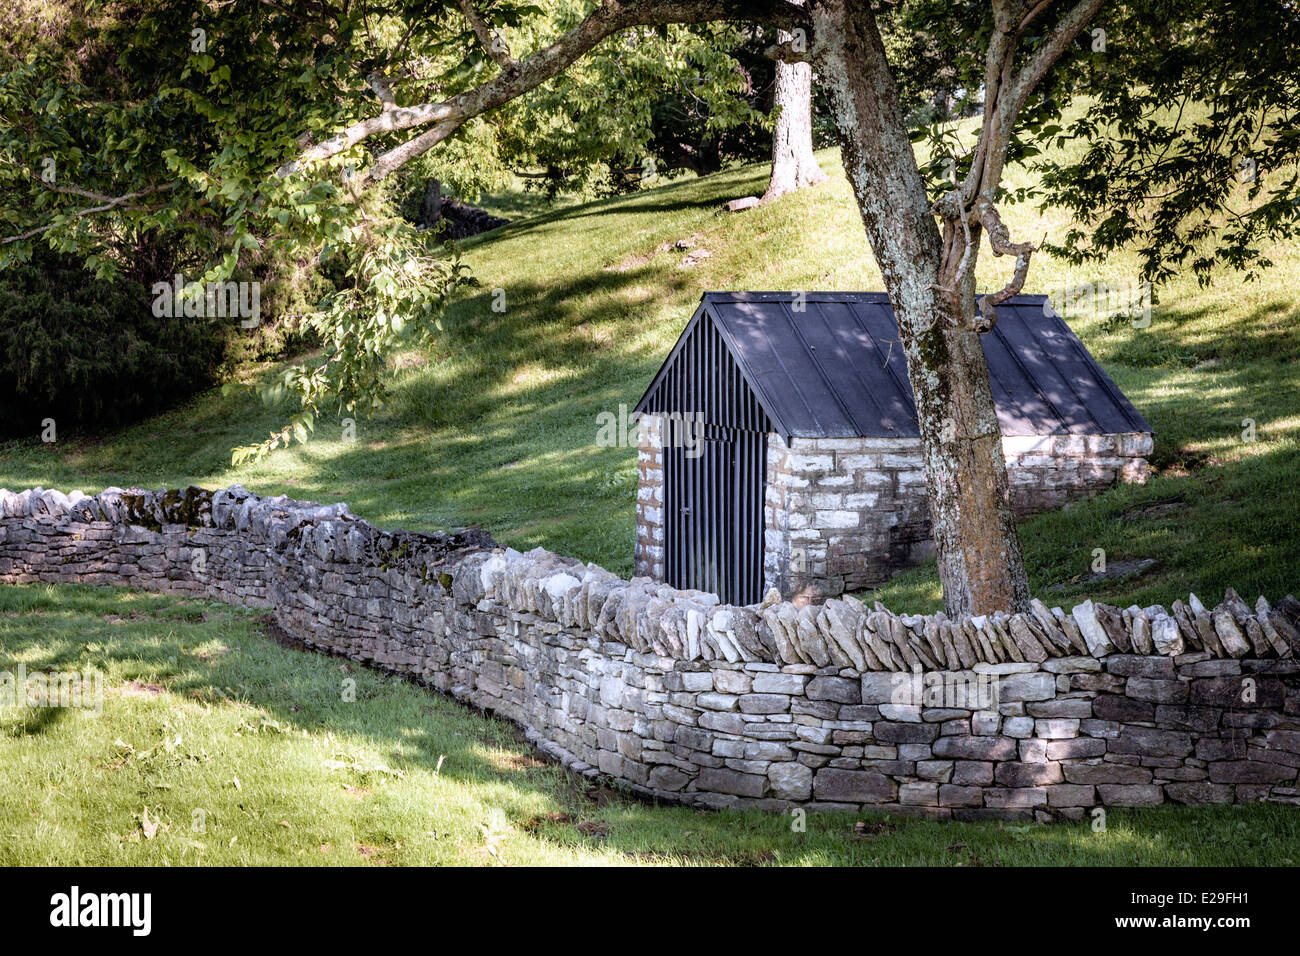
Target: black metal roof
{"x": 836, "y": 368}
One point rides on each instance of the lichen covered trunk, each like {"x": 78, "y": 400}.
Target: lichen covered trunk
{"x": 794, "y": 165}
{"x": 980, "y": 562}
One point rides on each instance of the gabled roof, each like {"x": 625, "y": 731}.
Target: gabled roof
{"x": 836, "y": 369}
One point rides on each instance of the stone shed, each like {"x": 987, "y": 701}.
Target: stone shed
{"x": 778, "y": 444}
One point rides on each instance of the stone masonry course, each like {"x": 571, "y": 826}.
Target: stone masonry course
{"x": 1041, "y": 715}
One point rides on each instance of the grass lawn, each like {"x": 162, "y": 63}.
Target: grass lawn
{"x": 497, "y": 427}
{"x": 216, "y": 745}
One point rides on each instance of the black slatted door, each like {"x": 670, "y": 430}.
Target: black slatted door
{"x": 713, "y": 515}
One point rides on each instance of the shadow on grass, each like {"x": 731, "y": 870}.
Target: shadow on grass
{"x": 180, "y": 647}
{"x": 38, "y": 722}
{"x": 1186, "y": 334}
{"x": 1222, "y": 526}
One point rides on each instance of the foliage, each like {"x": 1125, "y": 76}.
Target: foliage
{"x": 394, "y": 294}
{"x": 644, "y": 104}
{"x": 167, "y": 122}
{"x": 87, "y": 351}
{"x": 171, "y": 119}
{"x": 935, "y": 47}
{"x": 1157, "y": 169}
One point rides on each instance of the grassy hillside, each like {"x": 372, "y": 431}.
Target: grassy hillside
{"x": 217, "y": 746}
{"x": 497, "y": 426}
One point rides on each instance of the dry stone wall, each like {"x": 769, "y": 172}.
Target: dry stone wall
{"x": 843, "y": 514}
{"x": 1042, "y": 715}
{"x": 848, "y": 513}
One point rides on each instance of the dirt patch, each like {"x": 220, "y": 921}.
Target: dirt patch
{"x": 596, "y": 829}
{"x": 374, "y": 855}
{"x": 555, "y": 818}
{"x": 681, "y": 245}
{"x": 137, "y": 689}
{"x": 870, "y": 829}
{"x": 122, "y": 618}
{"x": 1156, "y": 509}
{"x": 521, "y": 761}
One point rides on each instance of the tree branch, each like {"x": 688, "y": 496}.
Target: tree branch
{"x": 1000, "y": 240}
{"x": 106, "y": 203}
{"x": 491, "y": 41}
{"x": 787, "y": 53}
{"x": 1045, "y": 56}
{"x": 612, "y": 16}
{"x": 1005, "y": 93}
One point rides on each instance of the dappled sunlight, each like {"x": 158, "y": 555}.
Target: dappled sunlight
{"x": 497, "y": 427}
{"x": 288, "y": 771}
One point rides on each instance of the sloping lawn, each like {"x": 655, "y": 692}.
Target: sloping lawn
{"x": 497, "y": 426}
{"x": 216, "y": 745}
{"x": 243, "y": 751}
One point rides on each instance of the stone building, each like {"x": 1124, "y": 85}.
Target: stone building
{"x": 778, "y": 445}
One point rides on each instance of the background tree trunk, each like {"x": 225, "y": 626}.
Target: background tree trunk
{"x": 431, "y": 207}
{"x": 793, "y": 163}
{"x": 980, "y": 562}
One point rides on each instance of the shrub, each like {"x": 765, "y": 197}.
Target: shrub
{"x": 86, "y": 352}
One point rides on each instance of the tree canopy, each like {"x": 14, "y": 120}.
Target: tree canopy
{"x": 216, "y": 131}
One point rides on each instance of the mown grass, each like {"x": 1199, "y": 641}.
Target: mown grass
{"x": 497, "y": 426}
{"x": 244, "y": 752}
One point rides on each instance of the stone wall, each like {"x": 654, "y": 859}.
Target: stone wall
{"x": 850, "y": 513}
{"x": 648, "y": 556}
{"x": 1043, "y": 715}
{"x": 843, "y": 514}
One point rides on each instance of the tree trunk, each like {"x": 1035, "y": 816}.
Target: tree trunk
{"x": 431, "y": 207}
{"x": 980, "y": 562}
{"x": 793, "y": 163}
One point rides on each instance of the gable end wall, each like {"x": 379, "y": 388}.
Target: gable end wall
{"x": 648, "y": 560}
{"x": 849, "y": 513}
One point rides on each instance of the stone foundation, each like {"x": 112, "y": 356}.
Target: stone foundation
{"x": 1043, "y": 715}
{"x": 850, "y": 513}
{"x": 844, "y": 514}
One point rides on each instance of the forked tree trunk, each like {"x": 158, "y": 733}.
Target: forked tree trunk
{"x": 793, "y": 164}
{"x": 431, "y": 207}
{"x": 980, "y": 562}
